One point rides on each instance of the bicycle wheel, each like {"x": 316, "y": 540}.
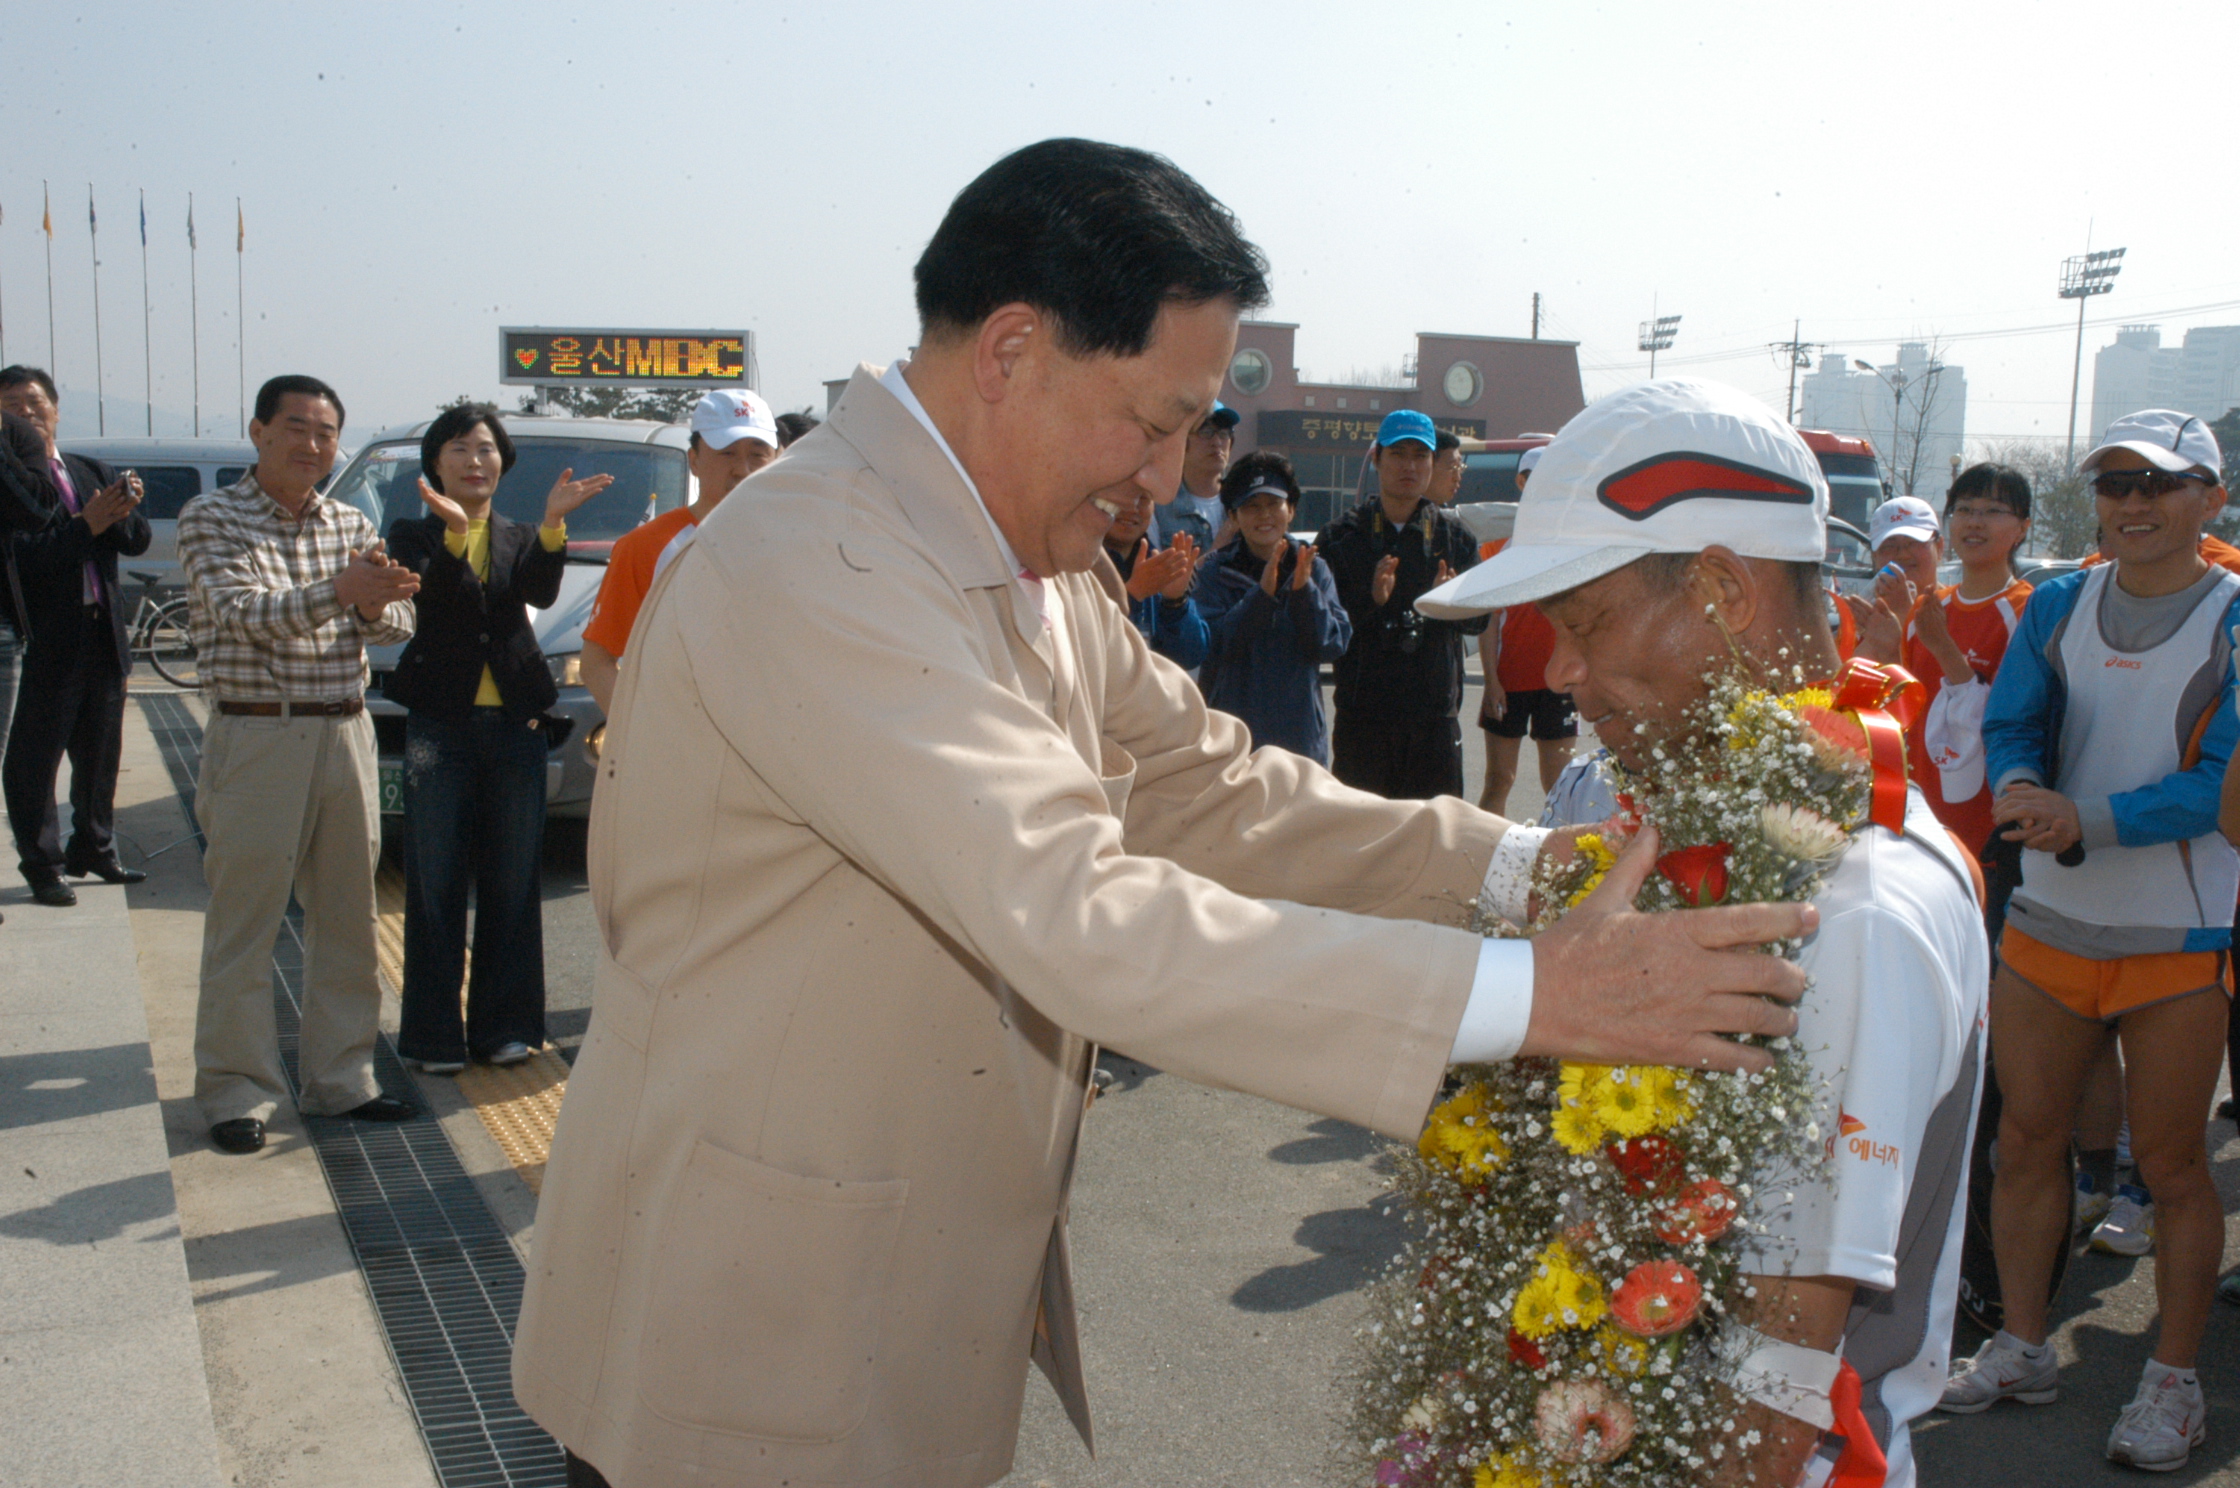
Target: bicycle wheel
{"x": 169, "y": 644}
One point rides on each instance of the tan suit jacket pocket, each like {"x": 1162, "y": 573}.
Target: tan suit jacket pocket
{"x": 760, "y": 1265}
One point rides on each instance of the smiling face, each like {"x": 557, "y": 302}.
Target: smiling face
{"x": 1915, "y": 558}
{"x": 1265, "y": 520}
{"x": 28, "y": 400}
{"x": 2154, "y": 533}
{"x": 1985, "y": 532}
{"x": 468, "y": 468}
{"x": 296, "y": 450}
{"x": 1632, "y": 652}
{"x": 1068, "y": 442}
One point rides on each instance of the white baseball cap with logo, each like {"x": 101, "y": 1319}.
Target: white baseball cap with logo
{"x": 2165, "y": 438}
{"x": 1902, "y": 516}
{"x": 723, "y": 417}
{"x": 1671, "y": 466}
{"x": 1529, "y": 461}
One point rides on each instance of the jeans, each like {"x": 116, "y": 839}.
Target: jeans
{"x": 474, "y": 796}
{"x": 11, "y": 671}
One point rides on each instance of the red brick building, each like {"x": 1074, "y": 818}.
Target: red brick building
{"x": 1487, "y": 387}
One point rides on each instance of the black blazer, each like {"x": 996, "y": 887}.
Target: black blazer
{"x": 51, "y": 558}
{"x": 465, "y": 625}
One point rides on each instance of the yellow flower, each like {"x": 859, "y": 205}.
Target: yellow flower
{"x": 1459, "y": 1136}
{"x": 1508, "y": 1470}
{"x": 1575, "y": 1078}
{"x": 1808, "y": 697}
{"x": 1577, "y": 1130}
{"x": 1621, "y": 1351}
{"x": 1670, "y": 1097}
{"x": 1563, "y": 1295}
{"x": 1623, "y": 1105}
{"x": 1590, "y": 846}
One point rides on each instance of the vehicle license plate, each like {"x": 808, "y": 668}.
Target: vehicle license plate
{"x": 392, "y": 787}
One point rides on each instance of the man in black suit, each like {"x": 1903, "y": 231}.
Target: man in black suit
{"x": 77, "y": 657}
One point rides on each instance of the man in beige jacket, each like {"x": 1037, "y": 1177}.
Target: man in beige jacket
{"x": 899, "y": 818}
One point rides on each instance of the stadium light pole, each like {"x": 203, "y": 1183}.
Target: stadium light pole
{"x": 1656, "y": 336}
{"x": 2082, "y": 277}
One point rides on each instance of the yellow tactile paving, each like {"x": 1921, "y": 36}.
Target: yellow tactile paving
{"x": 518, "y": 1104}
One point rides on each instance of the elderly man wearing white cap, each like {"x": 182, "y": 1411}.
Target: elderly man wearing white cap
{"x": 733, "y": 436}
{"x": 1671, "y": 531}
{"x": 2106, "y": 737}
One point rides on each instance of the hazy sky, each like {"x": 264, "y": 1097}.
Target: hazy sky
{"x": 415, "y": 175}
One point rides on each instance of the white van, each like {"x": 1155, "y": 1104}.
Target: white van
{"x": 172, "y": 473}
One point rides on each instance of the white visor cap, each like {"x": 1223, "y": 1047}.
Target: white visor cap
{"x": 2165, "y": 438}
{"x": 1672, "y": 466}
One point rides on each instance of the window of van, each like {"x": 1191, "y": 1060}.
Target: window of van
{"x": 167, "y": 487}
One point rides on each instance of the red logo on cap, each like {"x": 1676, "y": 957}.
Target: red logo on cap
{"x": 1641, "y": 491}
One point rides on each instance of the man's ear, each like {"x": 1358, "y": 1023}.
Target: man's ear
{"x": 1008, "y": 337}
{"x": 1723, "y": 586}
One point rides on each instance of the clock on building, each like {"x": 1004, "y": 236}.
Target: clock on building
{"x": 1463, "y": 384}
{"x": 1250, "y": 371}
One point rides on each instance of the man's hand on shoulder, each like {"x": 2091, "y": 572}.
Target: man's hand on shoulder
{"x": 1614, "y": 986}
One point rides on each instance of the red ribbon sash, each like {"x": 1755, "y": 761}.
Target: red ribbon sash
{"x": 1886, "y": 700}
{"x": 1862, "y": 1464}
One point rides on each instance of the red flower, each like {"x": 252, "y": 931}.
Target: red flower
{"x": 1839, "y": 729}
{"x": 1656, "y": 1298}
{"x": 1699, "y": 873}
{"x": 1525, "y": 1351}
{"x": 1701, "y": 1211}
{"x": 1646, "y": 1163}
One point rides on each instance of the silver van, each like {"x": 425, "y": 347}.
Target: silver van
{"x": 647, "y": 461}
{"x": 172, "y": 473}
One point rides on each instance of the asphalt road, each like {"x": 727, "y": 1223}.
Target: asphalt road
{"x": 1221, "y": 1243}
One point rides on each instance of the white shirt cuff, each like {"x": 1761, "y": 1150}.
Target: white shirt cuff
{"x": 1508, "y": 886}
{"x": 1500, "y": 1007}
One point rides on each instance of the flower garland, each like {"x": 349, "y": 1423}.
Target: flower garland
{"x": 1581, "y": 1229}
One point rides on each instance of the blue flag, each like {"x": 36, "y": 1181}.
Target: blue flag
{"x": 143, "y": 219}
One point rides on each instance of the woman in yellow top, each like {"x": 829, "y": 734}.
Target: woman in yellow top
{"x": 475, "y": 688}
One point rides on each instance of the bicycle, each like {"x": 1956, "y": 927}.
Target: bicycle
{"x": 162, "y": 635}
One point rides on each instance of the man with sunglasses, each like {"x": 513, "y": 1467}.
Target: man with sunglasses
{"x": 2107, "y": 734}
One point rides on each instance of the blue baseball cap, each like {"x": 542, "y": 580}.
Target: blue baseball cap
{"x": 1222, "y": 416}
{"x": 1406, "y": 423}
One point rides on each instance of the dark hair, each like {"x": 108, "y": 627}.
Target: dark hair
{"x": 1097, "y": 237}
{"x": 792, "y": 426}
{"x": 456, "y": 422}
{"x": 268, "y": 397}
{"x": 19, "y": 374}
{"x": 1257, "y": 467}
{"x": 1446, "y": 440}
{"x": 2003, "y": 483}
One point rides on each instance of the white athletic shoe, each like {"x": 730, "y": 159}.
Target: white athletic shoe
{"x": 2128, "y": 1229}
{"x": 2001, "y": 1371}
{"x": 2163, "y": 1423}
{"x": 2088, "y": 1207}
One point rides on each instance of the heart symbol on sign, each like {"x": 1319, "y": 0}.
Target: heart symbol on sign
{"x": 527, "y": 357}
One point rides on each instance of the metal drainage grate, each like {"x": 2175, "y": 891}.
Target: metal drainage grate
{"x": 445, "y": 1280}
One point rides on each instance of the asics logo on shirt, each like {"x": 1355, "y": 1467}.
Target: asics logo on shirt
{"x": 2125, "y": 662}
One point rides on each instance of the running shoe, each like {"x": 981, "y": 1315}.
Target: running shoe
{"x": 2128, "y": 1229}
{"x": 511, "y": 1052}
{"x": 2001, "y": 1370}
{"x": 2089, "y": 1207}
{"x": 2162, "y": 1425}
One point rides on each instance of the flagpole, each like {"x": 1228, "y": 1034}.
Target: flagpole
{"x": 147, "y": 340}
{"x": 240, "y": 315}
{"x": 100, "y": 387}
{"x": 46, "y": 222}
{"x": 194, "y": 318}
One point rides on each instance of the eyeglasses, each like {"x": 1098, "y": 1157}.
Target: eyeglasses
{"x": 1982, "y": 511}
{"x": 2115, "y": 485}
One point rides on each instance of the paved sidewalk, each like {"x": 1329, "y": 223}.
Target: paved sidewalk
{"x": 100, "y": 1359}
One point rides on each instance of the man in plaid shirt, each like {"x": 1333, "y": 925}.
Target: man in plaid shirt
{"x": 288, "y": 589}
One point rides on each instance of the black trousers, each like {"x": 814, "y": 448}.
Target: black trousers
{"x": 1411, "y": 760}
{"x": 582, "y": 1474}
{"x": 70, "y": 704}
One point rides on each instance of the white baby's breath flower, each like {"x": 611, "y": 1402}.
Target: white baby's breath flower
{"x": 1800, "y": 833}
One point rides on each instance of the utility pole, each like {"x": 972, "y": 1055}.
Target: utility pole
{"x": 2083, "y": 277}
{"x": 1800, "y": 354}
{"x": 1536, "y": 315}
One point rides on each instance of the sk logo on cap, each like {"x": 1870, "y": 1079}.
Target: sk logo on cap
{"x": 1639, "y": 492}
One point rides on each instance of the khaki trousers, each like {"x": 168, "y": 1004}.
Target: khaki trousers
{"x": 287, "y": 804}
